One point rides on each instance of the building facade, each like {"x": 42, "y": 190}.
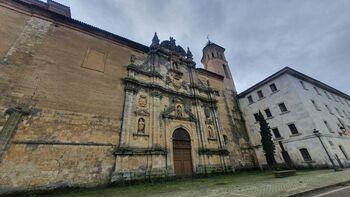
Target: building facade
{"x": 80, "y": 106}
{"x": 310, "y": 120}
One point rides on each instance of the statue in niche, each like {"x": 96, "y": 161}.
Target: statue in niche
{"x": 207, "y": 112}
{"x": 210, "y": 132}
{"x": 143, "y": 101}
{"x": 141, "y": 126}
{"x": 179, "y": 111}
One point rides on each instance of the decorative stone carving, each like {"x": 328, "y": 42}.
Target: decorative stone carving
{"x": 210, "y": 132}
{"x": 156, "y": 93}
{"x": 131, "y": 88}
{"x": 132, "y": 59}
{"x": 189, "y": 54}
{"x": 155, "y": 41}
{"x": 179, "y": 111}
{"x": 207, "y": 112}
{"x": 142, "y": 101}
{"x": 142, "y": 112}
{"x": 141, "y": 126}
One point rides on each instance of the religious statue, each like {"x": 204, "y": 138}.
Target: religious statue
{"x": 141, "y": 126}
{"x": 207, "y": 112}
{"x": 210, "y": 132}
{"x": 179, "y": 111}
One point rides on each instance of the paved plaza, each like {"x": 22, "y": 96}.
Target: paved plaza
{"x": 239, "y": 184}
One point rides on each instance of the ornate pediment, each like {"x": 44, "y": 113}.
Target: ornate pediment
{"x": 179, "y": 110}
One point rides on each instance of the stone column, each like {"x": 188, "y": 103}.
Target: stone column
{"x": 129, "y": 101}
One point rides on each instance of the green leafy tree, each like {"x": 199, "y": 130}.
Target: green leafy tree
{"x": 266, "y": 141}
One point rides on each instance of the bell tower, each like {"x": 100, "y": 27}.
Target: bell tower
{"x": 214, "y": 60}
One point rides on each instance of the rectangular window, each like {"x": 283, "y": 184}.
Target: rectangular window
{"x": 305, "y": 153}
{"x": 273, "y": 87}
{"x": 315, "y": 105}
{"x": 226, "y": 71}
{"x": 326, "y": 93}
{"x": 303, "y": 85}
{"x": 328, "y": 127}
{"x": 260, "y": 94}
{"x": 344, "y": 152}
{"x": 316, "y": 90}
{"x": 256, "y": 116}
{"x": 335, "y": 98}
{"x": 250, "y": 99}
{"x": 276, "y": 133}
{"x": 339, "y": 112}
{"x": 331, "y": 143}
{"x": 347, "y": 102}
{"x": 293, "y": 129}
{"x": 268, "y": 113}
{"x": 329, "y": 109}
{"x": 282, "y": 107}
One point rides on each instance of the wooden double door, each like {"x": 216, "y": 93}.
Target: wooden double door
{"x": 182, "y": 154}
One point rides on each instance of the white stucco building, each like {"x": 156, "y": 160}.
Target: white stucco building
{"x": 295, "y": 106}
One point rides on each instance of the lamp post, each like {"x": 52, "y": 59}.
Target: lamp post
{"x": 317, "y": 133}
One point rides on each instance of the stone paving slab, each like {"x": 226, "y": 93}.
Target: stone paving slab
{"x": 271, "y": 187}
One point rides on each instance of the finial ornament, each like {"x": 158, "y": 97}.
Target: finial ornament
{"x": 208, "y": 39}
{"x": 155, "y": 40}
{"x": 189, "y": 54}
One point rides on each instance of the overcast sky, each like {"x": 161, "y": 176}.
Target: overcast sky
{"x": 260, "y": 36}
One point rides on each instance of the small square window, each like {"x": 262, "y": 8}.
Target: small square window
{"x": 305, "y": 153}
{"x": 315, "y": 105}
{"x": 303, "y": 85}
{"x": 256, "y": 116}
{"x": 326, "y": 93}
{"x": 268, "y": 113}
{"x": 316, "y": 90}
{"x": 331, "y": 143}
{"x": 335, "y": 98}
{"x": 329, "y": 109}
{"x": 293, "y": 129}
{"x": 260, "y": 94}
{"x": 276, "y": 133}
{"x": 273, "y": 87}
{"x": 341, "y": 115}
{"x": 250, "y": 99}
{"x": 282, "y": 107}
{"x": 328, "y": 127}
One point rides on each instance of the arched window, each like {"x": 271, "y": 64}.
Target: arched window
{"x": 212, "y": 54}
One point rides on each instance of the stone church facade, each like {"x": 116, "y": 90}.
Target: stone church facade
{"x": 80, "y": 106}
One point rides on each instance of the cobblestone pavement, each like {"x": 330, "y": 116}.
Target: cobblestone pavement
{"x": 273, "y": 186}
{"x": 242, "y": 184}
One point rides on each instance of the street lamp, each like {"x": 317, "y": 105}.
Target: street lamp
{"x": 317, "y": 133}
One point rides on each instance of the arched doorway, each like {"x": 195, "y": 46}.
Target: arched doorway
{"x": 182, "y": 153}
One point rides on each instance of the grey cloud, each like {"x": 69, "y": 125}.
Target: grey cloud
{"x": 260, "y": 37}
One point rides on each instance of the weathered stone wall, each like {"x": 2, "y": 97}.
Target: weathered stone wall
{"x": 48, "y": 166}
{"x": 76, "y": 106}
{"x": 241, "y": 155}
